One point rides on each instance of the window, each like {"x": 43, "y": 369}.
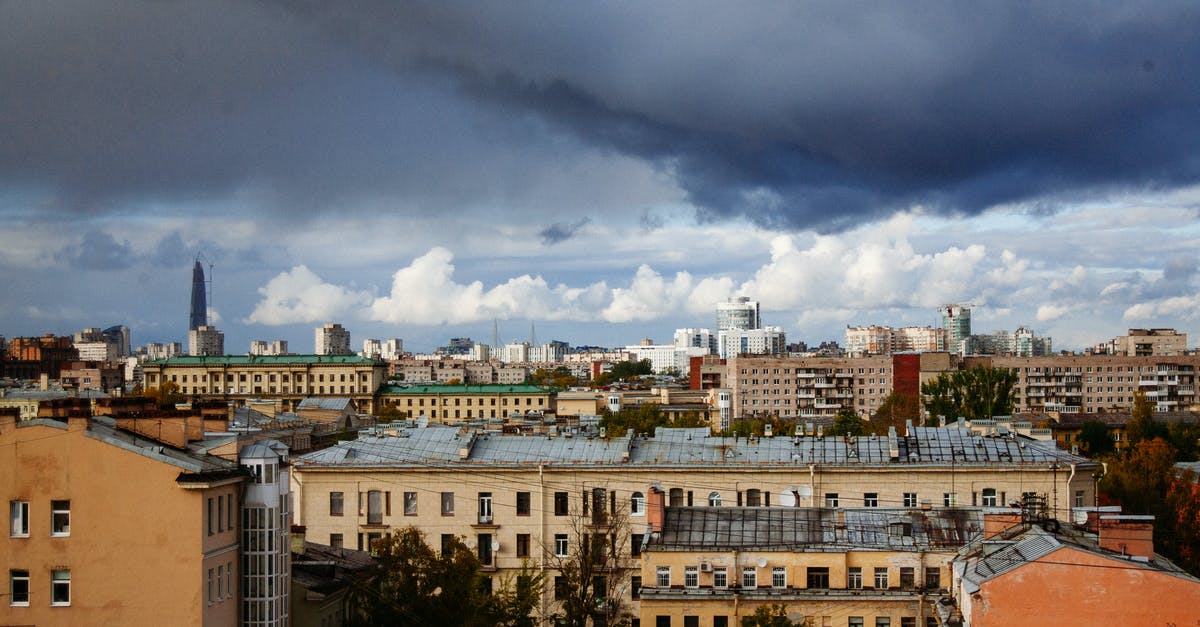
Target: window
{"x": 560, "y": 545}
{"x": 410, "y": 503}
{"x": 662, "y": 577}
{"x": 818, "y": 577}
{"x": 635, "y": 544}
{"x": 749, "y": 577}
{"x": 910, "y": 499}
{"x": 854, "y": 578}
{"x": 374, "y": 507}
{"x": 60, "y": 521}
{"x": 209, "y": 527}
{"x": 831, "y": 499}
{"x": 662, "y": 621}
{"x": 691, "y": 621}
{"x": 753, "y": 498}
{"x": 18, "y": 516}
{"x": 870, "y": 499}
{"x": 447, "y": 503}
{"x": 635, "y": 587}
{"x": 949, "y": 499}
{"x": 210, "y": 586}
{"x": 485, "y": 508}
{"x": 908, "y": 621}
{"x": 989, "y": 497}
{"x": 855, "y": 621}
{"x": 714, "y": 499}
{"x": 483, "y": 547}
{"x": 883, "y": 621}
{"x": 720, "y": 577}
{"x": 720, "y": 621}
{"x": 908, "y": 578}
{"x": 229, "y": 513}
{"x": 675, "y": 497}
{"x": 221, "y": 514}
{"x": 691, "y": 577}
{"x": 561, "y": 504}
{"x": 220, "y": 581}
{"x": 18, "y": 588}
{"x": 522, "y": 503}
{"x": 637, "y": 504}
{"x": 933, "y": 577}
{"x": 522, "y": 545}
{"x": 881, "y": 578}
{"x": 779, "y": 577}
{"x": 561, "y": 589}
{"x": 60, "y": 587}
{"x": 1079, "y": 498}
{"x": 447, "y": 543}
{"x": 335, "y": 503}
{"x": 335, "y": 540}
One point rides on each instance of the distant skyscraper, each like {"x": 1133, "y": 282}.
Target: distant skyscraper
{"x": 956, "y": 321}
{"x": 199, "y": 317}
{"x": 332, "y": 339}
{"x": 738, "y": 313}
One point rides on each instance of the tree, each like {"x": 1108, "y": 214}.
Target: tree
{"x": 166, "y": 394}
{"x": 1094, "y": 439}
{"x": 980, "y": 392}
{"x": 896, "y": 409}
{"x": 559, "y": 377}
{"x": 644, "y": 419}
{"x": 593, "y": 568}
{"x": 847, "y": 422}
{"x": 411, "y": 584}
{"x": 774, "y": 615}
{"x": 1141, "y": 421}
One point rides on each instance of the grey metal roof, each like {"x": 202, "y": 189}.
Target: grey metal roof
{"x": 685, "y": 447}
{"x": 814, "y": 529}
{"x": 336, "y": 403}
{"x": 103, "y": 428}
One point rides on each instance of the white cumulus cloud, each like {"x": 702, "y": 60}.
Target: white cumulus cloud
{"x": 299, "y": 295}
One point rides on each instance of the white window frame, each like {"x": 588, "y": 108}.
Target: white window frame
{"x": 691, "y": 577}
{"x": 720, "y": 578}
{"x": 560, "y": 545}
{"x": 854, "y": 580}
{"x": 881, "y": 575}
{"x": 13, "y": 578}
{"x": 779, "y": 577}
{"x": 714, "y": 499}
{"x": 989, "y": 497}
{"x": 910, "y": 499}
{"x": 662, "y": 577}
{"x": 750, "y": 577}
{"x": 18, "y": 516}
{"x": 410, "y": 503}
{"x": 56, "y": 530}
{"x": 637, "y": 504}
{"x": 56, "y": 579}
{"x": 831, "y": 499}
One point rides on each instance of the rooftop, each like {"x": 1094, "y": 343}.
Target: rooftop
{"x": 493, "y": 388}
{"x": 687, "y": 447}
{"x": 264, "y": 360}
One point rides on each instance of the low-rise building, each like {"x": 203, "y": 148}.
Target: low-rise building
{"x": 461, "y": 403}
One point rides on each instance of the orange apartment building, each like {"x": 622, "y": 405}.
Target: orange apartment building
{"x": 107, "y": 527}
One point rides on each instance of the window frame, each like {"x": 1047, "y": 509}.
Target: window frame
{"x": 18, "y": 513}
{"x": 723, "y": 573}
{"x": 337, "y": 503}
{"x": 662, "y": 577}
{"x": 749, "y": 577}
{"x": 447, "y": 503}
{"x": 56, "y": 580}
{"x": 691, "y": 577}
{"x": 881, "y": 576}
{"x": 637, "y": 504}
{"x": 779, "y": 577}
{"x": 854, "y": 578}
{"x": 59, "y": 530}
{"x": 562, "y": 504}
{"x": 410, "y": 503}
{"x": 15, "y": 575}
{"x": 561, "y": 545}
{"x": 523, "y": 503}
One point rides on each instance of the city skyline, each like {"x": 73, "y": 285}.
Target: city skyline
{"x": 417, "y": 172}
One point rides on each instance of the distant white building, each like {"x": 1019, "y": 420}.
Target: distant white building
{"x": 331, "y": 339}
{"x": 696, "y": 338}
{"x": 206, "y": 341}
{"x": 765, "y": 341}
{"x": 517, "y": 352}
{"x": 480, "y": 352}
{"x": 738, "y": 313}
{"x": 154, "y": 350}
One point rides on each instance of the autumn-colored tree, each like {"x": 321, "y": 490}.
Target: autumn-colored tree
{"x": 896, "y": 410}
{"x": 847, "y": 422}
{"x": 773, "y": 615}
{"x": 593, "y": 566}
{"x": 1094, "y": 439}
{"x": 166, "y": 394}
{"x": 1183, "y": 501}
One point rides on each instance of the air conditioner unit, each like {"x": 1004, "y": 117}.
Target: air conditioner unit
{"x": 706, "y": 567}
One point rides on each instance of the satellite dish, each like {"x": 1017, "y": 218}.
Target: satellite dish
{"x": 787, "y": 498}
{"x": 1079, "y": 517}
{"x": 496, "y": 545}
{"x": 804, "y": 491}
{"x": 762, "y": 562}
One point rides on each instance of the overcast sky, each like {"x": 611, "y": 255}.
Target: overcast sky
{"x": 607, "y": 170}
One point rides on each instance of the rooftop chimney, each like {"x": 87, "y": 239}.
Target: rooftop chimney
{"x": 1128, "y": 535}
{"x": 655, "y": 501}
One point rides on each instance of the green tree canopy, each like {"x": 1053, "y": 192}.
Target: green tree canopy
{"x": 644, "y": 419}
{"x": 1094, "y": 439}
{"x": 976, "y": 393}
{"x": 896, "y": 409}
{"x": 774, "y": 615}
{"x": 847, "y": 422}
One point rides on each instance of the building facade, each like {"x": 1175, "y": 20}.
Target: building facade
{"x": 206, "y": 341}
{"x": 461, "y": 403}
{"x": 331, "y": 339}
{"x": 288, "y": 378}
{"x": 738, "y": 313}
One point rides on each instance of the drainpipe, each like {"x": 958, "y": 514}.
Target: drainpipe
{"x": 812, "y": 485}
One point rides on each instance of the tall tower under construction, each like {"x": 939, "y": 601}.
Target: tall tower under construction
{"x": 199, "y": 315}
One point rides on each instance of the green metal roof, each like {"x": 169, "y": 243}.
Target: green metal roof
{"x": 462, "y": 389}
{"x": 267, "y": 360}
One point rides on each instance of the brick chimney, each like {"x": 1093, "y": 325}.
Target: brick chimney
{"x": 995, "y": 521}
{"x": 1128, "y": 535}
{"x": 655, "y": 501}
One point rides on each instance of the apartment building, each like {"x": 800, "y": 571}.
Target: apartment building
{"x": 107, "y": 527}
{"x": 808, "y": 387}
{"x": 206, "y": 340}
{"x": 515, "y": 498}
{"x": 289, "y": 378}
{"x": 331, "y": 339}
{"x": 1147, "y": 343}
{"x": 460, "y": 403}
{"x": 832, "y": 566}
{"x": 1088, "y": 383}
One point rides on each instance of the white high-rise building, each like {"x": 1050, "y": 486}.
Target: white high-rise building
{"x": 480, "y": 352}
{"x": 206, "y": 340}
{"x": 372, "y": 348}
{"x": 517, "y": 352}
{"x": 332, "y": 339}
{"x": 765, "y": 341}
{"x": 738, "y": 313}
{"x": 696, "y": 338}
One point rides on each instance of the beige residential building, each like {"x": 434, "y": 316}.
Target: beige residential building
{"x": 807, "y": 387}
{"x": 461, "y": 403}
{"x": 110, "y": 528}
{"x": 1148, "y": 342}
{"x": 514, "y": 498}
{"x": 290, "y": 378}
{"x": 1087, "y": 383}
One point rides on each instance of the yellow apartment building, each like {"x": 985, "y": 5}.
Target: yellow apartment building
{"x": 461, "y": 403}
{"x": 847, "y": 567}
{"x": 290, "y": 378}
{"x": 514, "y": 497}
{"x": 107, "y": 527}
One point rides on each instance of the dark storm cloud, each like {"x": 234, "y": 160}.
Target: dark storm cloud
{"x": 793, "y": 114}
{"x": 561, "y": 231}
{"x": 100, "y": 251}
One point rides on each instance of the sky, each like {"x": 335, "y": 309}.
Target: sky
{"x": 605, "y": 172}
